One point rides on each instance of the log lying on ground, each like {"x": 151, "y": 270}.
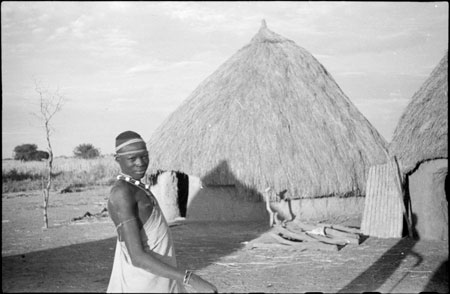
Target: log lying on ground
{"x": 341, "y": 228}
{"x": 337, "y": 234}
{"x": 300, "y": 236}
{"x": 308, "y": 227}
{"x": 303, "y": 245}
{"x": 317, "y": 233}
{"x": 296, "y": 235}
{"x": 334, "y": 234}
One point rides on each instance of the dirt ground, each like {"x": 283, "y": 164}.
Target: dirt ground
{"x": 76, "y": 256}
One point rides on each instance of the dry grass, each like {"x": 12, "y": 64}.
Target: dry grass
{"x": 270, "y": 116}
{"x": 68, "y": 172}
{"x": 422, "y": 132}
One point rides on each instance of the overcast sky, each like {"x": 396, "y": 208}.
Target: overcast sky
{"x": 128, "y": 65}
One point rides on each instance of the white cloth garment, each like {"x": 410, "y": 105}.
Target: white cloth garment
{"x": 156, "y": 236}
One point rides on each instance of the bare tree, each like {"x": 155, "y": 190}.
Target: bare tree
{"x": 49, "y": 104}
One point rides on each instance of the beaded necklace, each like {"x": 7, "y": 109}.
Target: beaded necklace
{"x": 140, "y": 185}
{"x": 130, "y": 180}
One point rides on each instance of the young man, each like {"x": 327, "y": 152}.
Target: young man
{"x": 144, "y": 259}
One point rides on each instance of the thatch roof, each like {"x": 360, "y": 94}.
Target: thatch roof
{"x": 270, "y": 116}
{"x": 422, "y": 131}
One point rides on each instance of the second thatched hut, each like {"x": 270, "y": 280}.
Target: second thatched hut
{"x": 269, "y": 117}
{"x": 420, "y": 142}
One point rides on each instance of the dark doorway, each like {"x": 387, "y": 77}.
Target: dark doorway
{"x": 446, "y": 187}
{"x": 183, "y": 192}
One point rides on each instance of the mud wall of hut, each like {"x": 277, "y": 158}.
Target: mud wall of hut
{"x": 426, "y": 187}
{"x": 320, "y": 208}
{"x": 221, "y": 203}
{"x": 227, "y": 202}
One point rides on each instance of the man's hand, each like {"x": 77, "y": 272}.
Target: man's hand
{"x": 201, "y": 285}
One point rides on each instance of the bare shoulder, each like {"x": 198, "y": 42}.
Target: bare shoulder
{"x": 121, "y": 195}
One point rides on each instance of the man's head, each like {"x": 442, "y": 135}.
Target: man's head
{"x": 131, "y": 154}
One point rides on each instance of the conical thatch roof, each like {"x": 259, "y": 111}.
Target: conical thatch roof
{"x": 422, "y": 131}
{"x": 271, "y": 115}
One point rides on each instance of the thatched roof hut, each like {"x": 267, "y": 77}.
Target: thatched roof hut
{"x": 270, "y": 116}
{"x": 420, "y": 143}
{"x": 422, "y": 131}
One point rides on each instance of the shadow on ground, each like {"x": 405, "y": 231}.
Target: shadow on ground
{"x": 439, "y": 278}
{"x": 75, "y": 268}
{"x": 378, "y": 272}
{"x": 86, "y": 267}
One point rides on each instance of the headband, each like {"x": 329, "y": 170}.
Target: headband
{"x": 131, "y": 141}
{"x": 130, "y": 152}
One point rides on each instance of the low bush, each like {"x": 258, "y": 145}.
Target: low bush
{"x": 15, "y": 175}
